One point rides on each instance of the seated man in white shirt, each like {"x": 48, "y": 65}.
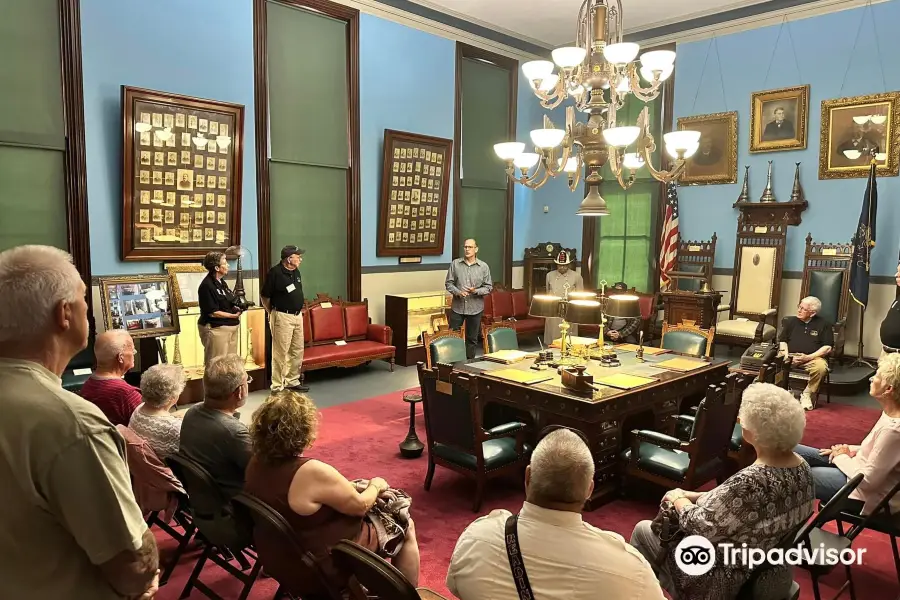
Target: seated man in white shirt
{"x": 564, "y": 557}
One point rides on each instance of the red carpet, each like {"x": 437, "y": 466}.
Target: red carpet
{"x": 360, "y": 439}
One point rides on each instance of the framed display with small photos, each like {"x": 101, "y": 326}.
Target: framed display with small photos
{"x": 142, "y": 305}
{"x": 182, "y": 168}
{"x": 414, "y": 187}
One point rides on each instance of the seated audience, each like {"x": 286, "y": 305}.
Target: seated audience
{"x": 114, "y": 352}
{"x": 877, "y": 458}
{"x": 69, "y": 524}
{"x": 319, "y": 503}
{"x": 161, "y": 385}
{"x": 756, "y": 506}
{"x": 211, "y": 433}
{"x": 565, "y": 558}
{"x": 809, "y": 339}
{"x": 620, "y": 330}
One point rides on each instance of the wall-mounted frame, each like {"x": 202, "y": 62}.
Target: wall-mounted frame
{"x": 142, "y": 305}
{"x": 181, "y": 177}
{"x": 855, "y": 126}
{"x": 414, "y": 188}
{"x": 716, "y": 159}
{"x": 779, "y": 119}
{"x": 186, "y": 278}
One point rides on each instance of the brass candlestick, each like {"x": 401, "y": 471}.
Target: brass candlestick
{"x": 640, "y": 351}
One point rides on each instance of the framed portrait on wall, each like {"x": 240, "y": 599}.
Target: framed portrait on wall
{"x": 779, "y": 119}
{"x": 186, "y": 278}
{"x": 715, "y": 161}
{"x": 856, "y": 130}
{"x": 142, "y": 305}
{"x": 161, "y": 134}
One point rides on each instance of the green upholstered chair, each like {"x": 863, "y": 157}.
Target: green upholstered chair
{"x": 457, "y": 438}
{"x": 686, "y": 284}
{"x": 499, "y": 336}
{"x": 667, "y": 461}
{"x": 445, "y": 346}
{"x": 826, "y": 275}
{"x": 687, "y": 338}
{"x": 79, "y": 369}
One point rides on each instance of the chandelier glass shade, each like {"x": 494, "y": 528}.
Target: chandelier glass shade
{"x": 598, "y": 73}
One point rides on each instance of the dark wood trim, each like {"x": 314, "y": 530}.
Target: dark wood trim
{"x": 261, "y": 96}
{"x": 511, "y": 65}
{"x": 75, "y": 161}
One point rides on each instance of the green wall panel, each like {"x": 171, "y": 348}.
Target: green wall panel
{"x": 485, "y": 122}
{"x": 32, "y": 198}
{"x": 482, "y": 215}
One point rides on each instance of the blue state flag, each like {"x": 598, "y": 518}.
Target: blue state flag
{"x": 864, "y": 243}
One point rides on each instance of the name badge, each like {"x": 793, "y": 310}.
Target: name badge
{"x": 814, "y": 333}
{"x": 291, "y": 288}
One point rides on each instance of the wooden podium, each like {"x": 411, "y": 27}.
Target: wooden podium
{"x": 693, "y": 306}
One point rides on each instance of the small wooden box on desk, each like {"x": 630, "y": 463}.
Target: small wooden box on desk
{"x": 409, "y": 316}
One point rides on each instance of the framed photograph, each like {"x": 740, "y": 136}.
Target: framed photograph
{"x": 411, "y": 240}
{"x": 186, "y": 278}
{"x": 716, "y": 159}
{"x": 779, "y": 119}
{"x": 185, "y": 116}
{"x": 855, "y": 128}
{"x": 142, "y": 305}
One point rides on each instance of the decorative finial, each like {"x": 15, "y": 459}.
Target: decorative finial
{"x": 176, "y": 358}
{"x": 768, "y": 195}
{"x": 797, "y": 191}
{"x": 745, "y": 189}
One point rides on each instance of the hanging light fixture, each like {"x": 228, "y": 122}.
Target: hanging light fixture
{"x": 597, "y": 73}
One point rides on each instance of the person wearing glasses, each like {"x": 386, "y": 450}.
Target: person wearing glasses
{"x": 211, "y": 433}
{"x": 808, "y": 338}
{"x": 469, "y": 280}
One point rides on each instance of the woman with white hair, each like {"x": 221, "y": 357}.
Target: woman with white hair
{"x": 161, "y": 386}
{"x": 877, "y": 458}
{"x": 756, "y": 506}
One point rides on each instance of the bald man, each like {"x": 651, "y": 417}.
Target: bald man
{"x": 114, "y": 352}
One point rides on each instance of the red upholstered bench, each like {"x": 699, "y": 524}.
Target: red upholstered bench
{"x": 327, "y": 321}
{"x": 511, "y": 305}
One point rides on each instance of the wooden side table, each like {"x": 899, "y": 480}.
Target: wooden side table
{"x": 411, "y": 447}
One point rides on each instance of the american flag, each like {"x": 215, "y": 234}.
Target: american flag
{"x": 668, "y": 247}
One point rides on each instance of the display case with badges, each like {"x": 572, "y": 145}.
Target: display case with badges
{"x": 411, "y": 315}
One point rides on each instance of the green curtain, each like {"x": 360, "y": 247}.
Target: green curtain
{"x": 309, "y": 149}
{"x": 485, "y": 121}
{"x": 32, "y": 126}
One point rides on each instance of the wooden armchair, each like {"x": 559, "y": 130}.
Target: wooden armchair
{"x": 688, "y": 338}
{"x": 695, "y": 257}
{"x": 457, "y": 438}
{"x": 499, "y": 336}
{"x": 826, "y": 275}
{"x": 667, "y": 461}
{"x": 445, "y": 346}
{"x": 756, "y": 285}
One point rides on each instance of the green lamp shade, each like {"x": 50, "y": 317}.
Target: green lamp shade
{"x": 544, "y": 305}
{"x": 584, "y": 312}
{"x": 623, "y": 306}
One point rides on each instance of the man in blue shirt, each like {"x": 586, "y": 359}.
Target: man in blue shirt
{"x": 469, "y": 280}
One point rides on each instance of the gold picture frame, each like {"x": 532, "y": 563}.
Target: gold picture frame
{"x": 186, "y": 279}
{"x": 842, "y": 132}
{"x": 715, "y": 161}
{"x": 779, "y": 119}
{"x": 142, "y": 305}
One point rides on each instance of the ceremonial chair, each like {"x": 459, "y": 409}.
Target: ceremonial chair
{"x": 826, "y": 275}
{"x": 373, "y": 578}
{"x": 499, "y": 336}
{"x": 457, "y": 438}
{"x": 667, "y": 461}
{"x": 695, "y": 257}
{"x": 687, "y": 338}
{"x": 445, "y": 346}
{"x": 755, "y": 286}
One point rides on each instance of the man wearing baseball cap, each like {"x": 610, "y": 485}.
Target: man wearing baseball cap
{"x": 282, "y": 297}
{"x": 559, "y": 283}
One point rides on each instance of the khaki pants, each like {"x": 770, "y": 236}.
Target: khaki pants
{"x": 287, "y": 349}
{"x": 218, "y": 341}
{"x": 816, "y": 368}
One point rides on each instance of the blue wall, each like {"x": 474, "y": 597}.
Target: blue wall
{"x": 407, "y": 82}
{"x": 200, "y": 48}
{"x": 824, "y": 47}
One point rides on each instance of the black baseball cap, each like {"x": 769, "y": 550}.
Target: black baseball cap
{"x": 290, "y": 250}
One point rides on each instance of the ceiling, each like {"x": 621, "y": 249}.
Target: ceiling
{"x": 551, "y": 23}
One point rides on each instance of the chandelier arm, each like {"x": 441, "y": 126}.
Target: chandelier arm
{"x": 554, "y": 171}
{"x": 646, "y": 150}
{"x": 574, "y": 181}
{"x": 634, "y": 85}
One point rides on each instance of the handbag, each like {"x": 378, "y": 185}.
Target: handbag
{"x": 514, "y": 554}
{"x": 667, "y": 528}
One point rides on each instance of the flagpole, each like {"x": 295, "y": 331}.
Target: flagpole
{"x": 860, "y": 361}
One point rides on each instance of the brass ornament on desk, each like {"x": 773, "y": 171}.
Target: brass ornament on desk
{"x": 745, "y": 189}
{"x": 768, "y": 195}
{"x": 176, "y": 357}
{"x": 797, "y": 194}
{"x": 249, "y": 358}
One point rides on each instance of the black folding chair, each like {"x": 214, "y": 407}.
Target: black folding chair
{"x": 881, "y": 520}
{"x": 183, "y": 518}
{"x": 765, "y": 575}
{"x": 373, "y": 578}
{"x": 226, "y": 536}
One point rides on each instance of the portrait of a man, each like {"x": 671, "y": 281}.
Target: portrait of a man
{"x": 715, "y": 159}
{"x": 779, "y": 119}
{"x": 857, "y": 130}
{"x": 779, "y": 128}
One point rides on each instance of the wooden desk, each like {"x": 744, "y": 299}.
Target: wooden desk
{"x": 606, "y": 416}
{"x": 691, "y": 306}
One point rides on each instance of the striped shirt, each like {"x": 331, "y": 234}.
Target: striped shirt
{"x": 462, "y": 276}
{"x": 116, "y": 398}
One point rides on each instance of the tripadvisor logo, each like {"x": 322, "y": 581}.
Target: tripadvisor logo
{"x": 695, "y": 555}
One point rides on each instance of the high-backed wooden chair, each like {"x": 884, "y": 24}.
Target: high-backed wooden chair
{"x": 499, "y": 336}
{"x": 688, "y": 338}
{"x": 756, "y": 285}
{"x": 457, "y": 438}
{"x": 826, "y": 275}
{"x": 445, "y": 346}
{"x": 695, "y": 257}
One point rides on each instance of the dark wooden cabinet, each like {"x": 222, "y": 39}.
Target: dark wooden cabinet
{"x": 690, "y": 306}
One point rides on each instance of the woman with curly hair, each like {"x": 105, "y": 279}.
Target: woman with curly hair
{"x": 321, "y": 505}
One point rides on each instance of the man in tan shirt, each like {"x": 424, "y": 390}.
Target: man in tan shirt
{"x": 69, "y": 524}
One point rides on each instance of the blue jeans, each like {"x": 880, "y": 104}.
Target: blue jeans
{"x": 473, "y": 329}
{"x": 827, "y": 478}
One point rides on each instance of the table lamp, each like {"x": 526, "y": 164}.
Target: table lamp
{"x": 580, "y": 312}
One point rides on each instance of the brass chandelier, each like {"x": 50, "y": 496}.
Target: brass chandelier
{"x": 598, "y": 73}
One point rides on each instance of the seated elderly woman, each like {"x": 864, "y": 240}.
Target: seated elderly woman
{"x": 877, "y": 458}
{"x": 161, "y": 386}
{"x": 319, "y": 503}
{"x": 757, "y": 505}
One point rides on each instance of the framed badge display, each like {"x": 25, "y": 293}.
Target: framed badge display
{"x": 182, "y": 169}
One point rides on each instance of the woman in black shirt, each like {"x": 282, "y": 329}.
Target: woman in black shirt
{"x": 219, "y": 317}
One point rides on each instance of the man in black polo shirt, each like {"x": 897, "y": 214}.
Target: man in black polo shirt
{"x": 890, "y": 326}
{"x": 809, "y": 339}
{"x": 282, "y": 297}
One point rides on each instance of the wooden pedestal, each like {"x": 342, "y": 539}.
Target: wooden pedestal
{"x": 700, "y": 308}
